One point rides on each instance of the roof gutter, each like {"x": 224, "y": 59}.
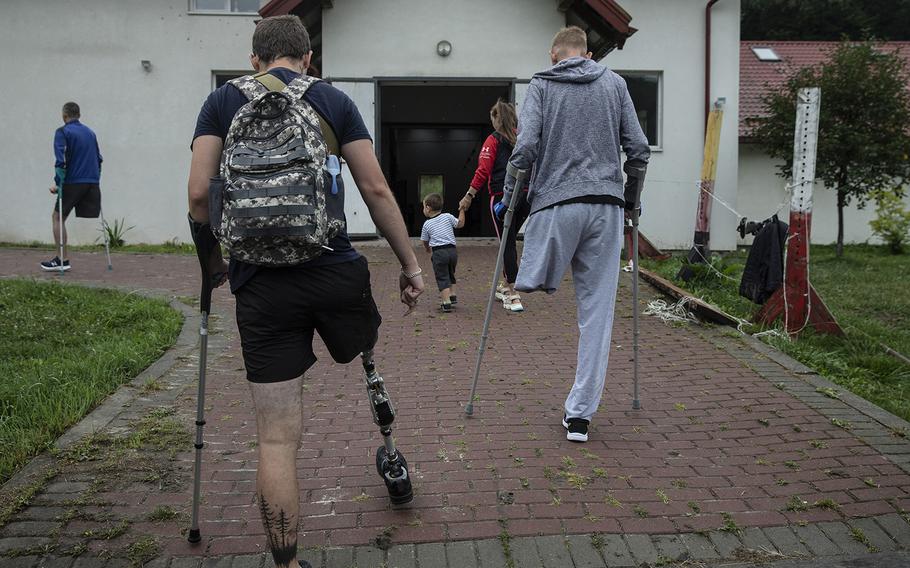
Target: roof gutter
{"x": 708, "y": 7}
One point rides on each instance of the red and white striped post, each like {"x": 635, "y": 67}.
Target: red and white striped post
{"x": 797, "y": 300}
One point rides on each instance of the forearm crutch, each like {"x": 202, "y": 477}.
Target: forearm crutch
{"x": 107, "y": 244}
{"x": 205, "y": 245}
{"x": 61, "y": 173}
{"x": 521, "y": 179}
{"x": 639, "y": 174}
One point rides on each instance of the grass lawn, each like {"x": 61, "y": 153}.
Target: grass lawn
{"x": 866, "y": 292}
{"x": 63, "y": 349}
{"x": 170, "y": 247}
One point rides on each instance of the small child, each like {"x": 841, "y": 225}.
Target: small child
{"x": 438, "y": 235}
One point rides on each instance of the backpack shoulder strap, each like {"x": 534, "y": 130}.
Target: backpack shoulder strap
{"x": 249, "y": 86}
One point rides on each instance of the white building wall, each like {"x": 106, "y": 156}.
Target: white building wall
{"x": 670, "y": 40}
{"x": 762, "y": 192}
{"x": 89, "y": 51}
{"x": 397, "y": 38}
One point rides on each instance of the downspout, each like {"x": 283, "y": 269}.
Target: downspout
{"x": 708, "y": 7}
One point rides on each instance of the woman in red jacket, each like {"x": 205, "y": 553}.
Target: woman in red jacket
{"x": 490, "y": 174}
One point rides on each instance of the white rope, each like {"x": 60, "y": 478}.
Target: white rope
{"x": 671, "y": 312}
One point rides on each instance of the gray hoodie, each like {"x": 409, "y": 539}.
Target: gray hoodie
{"x": 575, "y": 118}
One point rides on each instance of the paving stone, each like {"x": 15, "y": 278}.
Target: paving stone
{"x": 615, "y": 551}
{"x": 461, "y": 554}
{"x": 53, "y": 562}
{"x": 877, "y": 537}
{"x": 218, "y": 562}
{"x": 339, "y": 558}
{"x": 524, "y": 552}
{"x": 311, "y": 555}
{"x": 785, "y": 541}
{"x": 67, "y": 487}
{"x": 20, "y": 543}
{"x": 432, "y": 555}
{"x": 725, "y": 543}
{"x": 163, "y": 562}
{"x": 402, "y": 556}
{"x": 670, "y": 547}
{"x": 583, "y": 553}
{"x": 251, "y": 560}
{"x": 86, "y": 562}
{"x": 815, "y": 540}
{"x": 490, "y": 553}
{"x": 754, "y": 539}
{"x": 185, "y": 562}
{"x": 118, "y": 563}
{"x": 553, "y": 552}
{"x": 21, "y": 562}
{"x": 367, "y": 556}
{"x": 641, "y": 547}
{"x": 896, "y": 527}
{"x": 28, "y": 528}
{"x": 839, "y": 533}
{"x": 699, "y": 547}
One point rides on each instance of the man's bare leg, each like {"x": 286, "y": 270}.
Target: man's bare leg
{"x": 55, "y": 224}
{"x": 279, "y": 416}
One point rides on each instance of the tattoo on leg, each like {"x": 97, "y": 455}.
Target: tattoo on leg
{"x": 281, "y": 532}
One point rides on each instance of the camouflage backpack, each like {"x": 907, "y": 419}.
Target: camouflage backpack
{"x": 269, "y": 205}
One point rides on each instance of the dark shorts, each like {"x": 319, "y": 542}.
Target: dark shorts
{"x": 85, "y": 197}
{"x": 279, "y": 309}
{"x": 445, "y": 259}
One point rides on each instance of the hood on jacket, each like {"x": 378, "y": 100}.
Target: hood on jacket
{"x": 573, "y": 70}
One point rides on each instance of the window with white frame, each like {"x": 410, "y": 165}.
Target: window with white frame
{"x": 226, "y": 6}
{"x": 644, "y": 88}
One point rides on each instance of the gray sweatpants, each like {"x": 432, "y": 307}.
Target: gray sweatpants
{"x": 589, "y": 237}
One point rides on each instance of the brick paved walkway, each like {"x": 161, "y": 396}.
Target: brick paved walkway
{"x": 738, "y": 452}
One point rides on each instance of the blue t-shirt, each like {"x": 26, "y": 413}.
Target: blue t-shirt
{"x": 339, "y": 112}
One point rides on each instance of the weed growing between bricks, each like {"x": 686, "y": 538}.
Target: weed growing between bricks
{"x": 141, "y": 455}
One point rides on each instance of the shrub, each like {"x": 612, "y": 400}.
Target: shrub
{"x": 892, "y": 222}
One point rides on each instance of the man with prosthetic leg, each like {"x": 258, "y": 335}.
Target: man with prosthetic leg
{"x": 265, "y": 177}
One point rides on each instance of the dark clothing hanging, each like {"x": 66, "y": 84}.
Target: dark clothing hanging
{"x": 764, "y": 271}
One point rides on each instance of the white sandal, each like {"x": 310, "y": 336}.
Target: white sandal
{"x": 501, "y": 291}
{"x": 513, "y": 303}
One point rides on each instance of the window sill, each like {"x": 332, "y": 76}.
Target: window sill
{"x": 213, "y": 13}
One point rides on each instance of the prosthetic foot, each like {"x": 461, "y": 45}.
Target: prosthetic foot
{"x": 390, "y": 464}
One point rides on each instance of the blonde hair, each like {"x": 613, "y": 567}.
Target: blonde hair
{"x": 571, "y": 38}
{"x": 505, "y": 121}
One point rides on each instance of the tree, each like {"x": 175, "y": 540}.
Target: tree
{"x": 813, "y": 20}
{"x": 864, "y": 124}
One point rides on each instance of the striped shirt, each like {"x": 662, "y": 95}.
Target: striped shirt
{"x": 439, "y": 230}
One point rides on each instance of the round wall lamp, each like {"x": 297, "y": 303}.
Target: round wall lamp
{"x": 443, "y": 48}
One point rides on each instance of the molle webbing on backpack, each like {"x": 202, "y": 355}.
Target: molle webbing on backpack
{"x": 276, "y": 191}
{"x": 272, "y": 210}
{"x": 273, "y": 83}
{"x": 251, "y": 159}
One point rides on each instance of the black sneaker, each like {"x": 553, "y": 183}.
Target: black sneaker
{"x": 453, "y": 299}
{"x": 577, "y": 429}
{"x": 54, "y": 264}
{"x": 446, "y": 307}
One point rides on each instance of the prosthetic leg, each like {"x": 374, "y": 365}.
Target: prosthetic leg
{"x": 390, "y": 464}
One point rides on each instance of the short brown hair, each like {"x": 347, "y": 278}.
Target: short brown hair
{"x": 433, "y": 201}
{"x": 280, "y": 36}
{"x": 71, "y": 110}
{"x": 570, "y": 38}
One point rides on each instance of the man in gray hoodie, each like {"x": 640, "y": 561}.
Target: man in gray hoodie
{"x": 576, "y": 117}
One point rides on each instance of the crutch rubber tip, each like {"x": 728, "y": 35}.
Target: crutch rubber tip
{"x": 469, "y": 409}
{"x": 194, "y": 536}
{"x": 636, "y": 405}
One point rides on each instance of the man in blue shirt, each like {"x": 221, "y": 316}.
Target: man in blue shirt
{"x": 280, "y": 308}
{"x": 78, "y": 173}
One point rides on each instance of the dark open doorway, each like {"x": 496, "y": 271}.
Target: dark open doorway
{"x": 431, "y": 134}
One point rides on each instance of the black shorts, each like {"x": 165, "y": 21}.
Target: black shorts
{"x": 279, "y": 308}
{"x": 85, "y": 197}
{"x": 445, "y": 259}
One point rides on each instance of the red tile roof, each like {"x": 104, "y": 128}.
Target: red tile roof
{"x": 756, "y": 77}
